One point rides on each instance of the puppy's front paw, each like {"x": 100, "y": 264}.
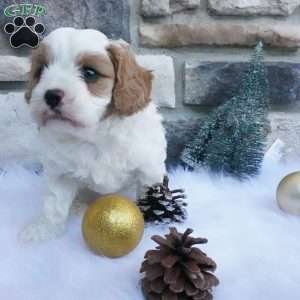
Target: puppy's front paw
{"x": 41, "y": 230}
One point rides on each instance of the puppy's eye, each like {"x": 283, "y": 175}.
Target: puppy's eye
{"x": 89, "y": 74}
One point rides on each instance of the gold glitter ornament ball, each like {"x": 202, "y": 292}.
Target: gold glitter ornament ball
{"x": 288, "y": 193}
{"x": 112, "y": 226}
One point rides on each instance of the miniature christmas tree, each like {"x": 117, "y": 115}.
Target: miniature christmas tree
{"x": 162, "y": 205}
{"x": 232, "y": 139}
{"x": 177, "y": 270}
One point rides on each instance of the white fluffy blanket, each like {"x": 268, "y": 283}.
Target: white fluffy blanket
{"x": 256, "y": 246}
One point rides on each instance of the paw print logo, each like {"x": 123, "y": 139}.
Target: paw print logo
{"x": 24, "y": 32}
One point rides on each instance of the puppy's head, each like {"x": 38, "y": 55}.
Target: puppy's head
{"x": 79, "y": 77}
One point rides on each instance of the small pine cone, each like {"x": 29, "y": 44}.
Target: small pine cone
{"x": 176, "y": 270}
{"x": 162, "y": 205}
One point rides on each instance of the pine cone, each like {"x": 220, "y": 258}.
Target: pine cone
{"x": 162, "y": 205}
{"x": 176, "y": 270}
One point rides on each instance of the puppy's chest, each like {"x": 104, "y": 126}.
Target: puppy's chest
{"x": 103, "y": 167}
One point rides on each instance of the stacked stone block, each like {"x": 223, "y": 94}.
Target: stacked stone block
{"x": 197, "y": 50}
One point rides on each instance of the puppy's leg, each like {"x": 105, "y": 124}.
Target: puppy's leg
{"x": 57, "y": 202}
{"x": 82, "y": 200}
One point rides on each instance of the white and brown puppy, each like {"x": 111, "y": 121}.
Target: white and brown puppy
{"x": 98, "y": 126}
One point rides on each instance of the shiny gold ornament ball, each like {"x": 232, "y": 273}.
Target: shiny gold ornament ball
{"x": 112, "y": 226}
{"x": 288, "y": 193}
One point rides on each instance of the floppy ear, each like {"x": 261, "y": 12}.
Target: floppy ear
{"x": 39, "y": 58}
{"x": 133, "y": 83}
{"x": 32, "y": 81}
{"x": 30, "y": 84}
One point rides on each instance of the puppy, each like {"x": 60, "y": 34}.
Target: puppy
{"x": 98, "y": 127}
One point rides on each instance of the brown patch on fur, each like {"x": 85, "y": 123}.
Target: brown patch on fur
{"x": 133, "y": 83}
{"x": 39, "y": 58}
{"x": 103, "y": 65}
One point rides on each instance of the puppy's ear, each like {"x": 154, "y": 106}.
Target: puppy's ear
{"x": 133, "y": 83}
{"x": 39, "y": 58}
{"x": 32, "y": 80}
{"x": 30, "y": 85}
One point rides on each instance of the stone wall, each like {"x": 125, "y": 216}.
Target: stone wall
{"x": 197, "y": 49}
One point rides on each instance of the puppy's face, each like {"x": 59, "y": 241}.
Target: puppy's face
{"x": 79, "y": 77}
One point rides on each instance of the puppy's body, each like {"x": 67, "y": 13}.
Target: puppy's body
{"x": 104, "y": 134}
{"x": 117, "y": 154}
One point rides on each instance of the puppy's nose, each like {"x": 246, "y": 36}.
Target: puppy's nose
{"x": 54, "y": 97}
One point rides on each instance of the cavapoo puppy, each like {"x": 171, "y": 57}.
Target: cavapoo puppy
{"x": 98, "y": 127}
